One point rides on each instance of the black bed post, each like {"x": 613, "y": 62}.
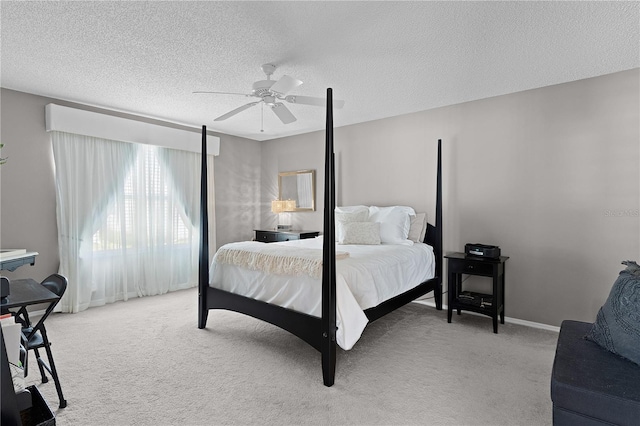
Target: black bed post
{"x": 328, "y": 322}
{"x": 439, "y": 226}
{"x": 203, "y": 261}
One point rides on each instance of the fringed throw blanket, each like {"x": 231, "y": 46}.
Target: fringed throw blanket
{"x": 274, "y": 259}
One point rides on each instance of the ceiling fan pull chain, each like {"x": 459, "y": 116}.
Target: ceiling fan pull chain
{"x": 262, "y": 117}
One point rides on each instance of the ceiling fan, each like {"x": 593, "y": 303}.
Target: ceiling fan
{"x": 271, "y": 92}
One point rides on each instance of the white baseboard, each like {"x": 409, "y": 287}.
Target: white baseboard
{"x": 518, "y": 321}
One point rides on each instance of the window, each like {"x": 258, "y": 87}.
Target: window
{"x": 148, "y": 202}
{"x": 127, "y": 219}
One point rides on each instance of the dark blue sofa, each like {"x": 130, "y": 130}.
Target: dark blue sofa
{"x": 590, "y": 385}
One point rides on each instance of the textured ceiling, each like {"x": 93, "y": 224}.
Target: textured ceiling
{"x": 382, "y": 58}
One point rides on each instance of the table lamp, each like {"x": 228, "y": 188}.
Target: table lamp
{"x": 281, "y": 207}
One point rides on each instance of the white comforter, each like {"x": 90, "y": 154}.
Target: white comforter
{"x": 370, "y": 275}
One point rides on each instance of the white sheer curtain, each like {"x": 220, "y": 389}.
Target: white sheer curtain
{"x": 184, "y": 171}
{"x": 126, "y": 219}
{"x": 87, "y": 171}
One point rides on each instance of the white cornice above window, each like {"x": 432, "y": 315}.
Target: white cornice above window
{"x": 88, "y": 123}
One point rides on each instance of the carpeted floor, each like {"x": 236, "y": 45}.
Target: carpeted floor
{"x": 145, "y": 362}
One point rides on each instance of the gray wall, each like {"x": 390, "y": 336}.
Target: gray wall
{"x": 27, "y": 188}
{"x": 237, "y": 186}
{"x": 550, "y": 175}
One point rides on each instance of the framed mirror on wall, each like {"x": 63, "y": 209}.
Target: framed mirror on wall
{"x": 299, "y": 186}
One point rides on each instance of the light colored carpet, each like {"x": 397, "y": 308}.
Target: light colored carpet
{"x": 145, "y": 362}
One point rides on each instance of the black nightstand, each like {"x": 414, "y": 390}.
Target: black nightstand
{"x": 492, "y": 305}
{"x": 277, "y": 236}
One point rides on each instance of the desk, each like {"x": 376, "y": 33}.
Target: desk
{"x": 24, "y": 293}
{"x": 27, "y": 292}
{"x": 11, "y": 263}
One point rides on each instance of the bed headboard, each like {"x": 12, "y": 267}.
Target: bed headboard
{"x": 434, "y": 232}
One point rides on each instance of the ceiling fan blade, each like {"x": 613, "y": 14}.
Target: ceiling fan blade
{"x": 285, "y": 85}
{"x": 198, "y": 92}
{"x": 283, "y": 113}
{"x": 236, "y": 111}
{"x": 310, "y": 100}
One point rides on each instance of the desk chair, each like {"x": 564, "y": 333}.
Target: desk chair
{"x": 34, "y": 337}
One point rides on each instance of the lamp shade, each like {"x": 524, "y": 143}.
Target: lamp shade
{"x": 281, "y": 206}
{"x": 277, "y": 206}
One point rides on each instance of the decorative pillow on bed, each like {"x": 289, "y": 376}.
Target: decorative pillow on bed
{"x": 418, "y": 227}
{"x": 394, "y": 221}
{"x": 617, "y": 326}
{"x": 348, "y": 217}
{"x": 359, "y": 233}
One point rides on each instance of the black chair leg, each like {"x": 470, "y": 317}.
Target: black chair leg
{"x": 24, "y": 357}
{"x": 40, "y": 362}
{"x": 54, "y": 373}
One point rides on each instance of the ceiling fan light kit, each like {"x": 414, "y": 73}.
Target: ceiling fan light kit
{"x": 268, "y": 69}
{"x": 270, "y": 92}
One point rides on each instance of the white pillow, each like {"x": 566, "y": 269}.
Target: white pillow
{"x": 418, "y": 227}
{"x": 344, "y": 217}
{"x": 359, "y": 233}
{"x": 394, "y": 221}
{"x": 352, "y": 209}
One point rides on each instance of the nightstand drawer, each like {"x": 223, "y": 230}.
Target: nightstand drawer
{"x": 266, "y": 237}
{"x": 470, "y": 267}
{"x": 282, "y": 236}
{"x": 279, "y": 236}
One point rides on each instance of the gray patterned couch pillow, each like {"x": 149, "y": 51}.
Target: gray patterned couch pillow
{"x": 617, "y": 326}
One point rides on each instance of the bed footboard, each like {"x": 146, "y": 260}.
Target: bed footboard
{"x": 304, "y": 326}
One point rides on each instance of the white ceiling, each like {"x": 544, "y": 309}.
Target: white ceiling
{"x": 382, "y": 58}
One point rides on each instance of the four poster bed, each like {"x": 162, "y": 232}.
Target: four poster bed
{"x": 331, "y": 306}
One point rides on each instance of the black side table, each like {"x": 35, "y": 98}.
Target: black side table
{"x": 492, "y": 305}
